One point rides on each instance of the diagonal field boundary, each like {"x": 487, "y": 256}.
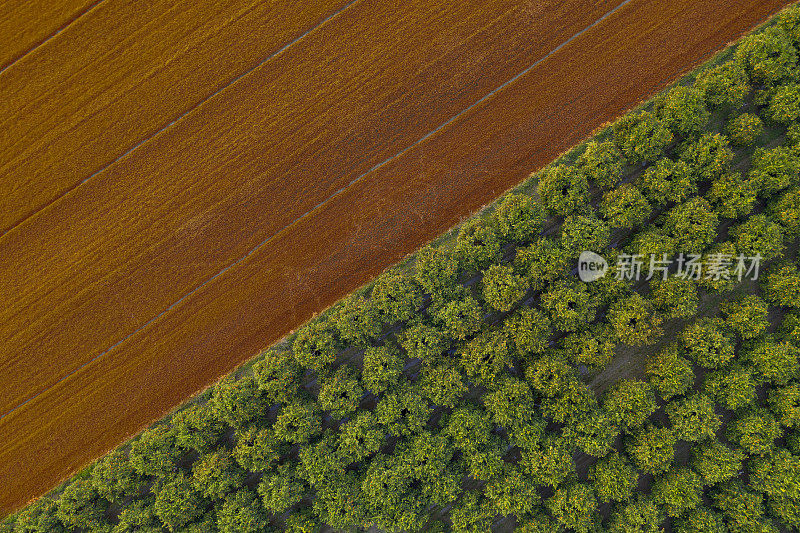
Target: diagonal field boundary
{"x": 51, "y": 36}
{"x": 272, "y": 56}
{"x": 326, "y": 201}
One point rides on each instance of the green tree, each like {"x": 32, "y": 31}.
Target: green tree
{"x": 774, "y": 362}
{"x": 785, "y": 403}
{"x": 469, "y": 426}
{"x": 238, "y": 401}
{"x": 641, "y": 136}
{"x": 545, "y": 260}
{"x": 256, "y": 448}
{"x": 692, "y": 224}
{"x": 519, "y": 218}
{"x": 701, "y": 520}
{"x": 683, "y": 110}
{"x": 315, "y": 345}
{"x": 484, "y": 357}
{"x": 631, "y": 402}
{"x": 477, "y": 244}
{"x": 755, "y": 430}
{"x": 790, "y": 328}
{"x": 279, "y": 376}
{"x": 549, "y": 375}
{"x": 732, "y": 195}
{"x": 707, "y": 343}
{"x": 339, "y": 503}
{"x": 550, "y": 461}
{"x": 574, "y": 507}
{"x": 528, "y": 436}
{"x": 743, "y": 507}
{"x": 777, "y": 474}
{"x": 442, "y": 385}
{"x": 679, "y": 490}
{"x": 216, "y": 474}
{"x": 747, "y": 316}
{"x": 281, "y": 489}
{"x": 593, "y": 347}
{"x": 340, "y": 393}
{"x": 733, "y": 386}
{"x": 625, "y": 207}
{"x": 652, "y": 241}
{"x": 178, "y": 502}
{"x": 744, "y": 129}
{"x": 668, "y": 181}
{"x": 382, "y": 368}
{"x": 782, "y": 285}
{"x": 502, "y": 288}
{"x": 759, "y": 235}
{"x": 570, "y": 305}
{"x": 114, "y": 477}
{"x": 155, "y": 452}
{"x": 651, "y": 448}
{"x": 528, "y": 331}
{"x": 460, "y": 318}
{"x": 635, "y": 321}
{"x": 767, "y": 57}
{"x": 581, "y": 232}
{"x": 785, "y": 104}
{"x": 613, "y": 478}
{"x": 397, "y": 297}
{"x": 40, "y": 516}
{"x": 424, "y": 342}
{"x": 693, "y": 418}
{"x": 573, "y": 402}
{"x": 486, "y": 463}
{"x": 563, "y": 190}
{"x": 403, "y": 412}
{"x": 709, "y": 157}
{"x": 774, "y": 170}
{"x": 196, "y": 427}
{"x": 138, "y": 515}
{"x": 602, "y": 163}
{"x": 669, "y": 372}
{"x": 592, "y": 430}
{"x": 716, "y": 462}
{"x": 299, "y": 422}
{"x": 725, "y": 85}
{"x": 242, "y": 513}
{"x": 675, "y": 297}
{"x": 437, "y": 272}
{"x": 80, "y": 505}
{"x": 513, "y": 492}
{"x": 319, "y": 462}
{"x": 642, "y": 515}
{"x": 787, "y": 212}
{"x": 390, "y": 502}
{"x": 537, "y": 523}
{"x": 357, "y": 319}
{"x": 510, "y": 403}
{"x": 472, "y": 514}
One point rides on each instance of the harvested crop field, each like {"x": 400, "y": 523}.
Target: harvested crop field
{"x": 231, "y": 198}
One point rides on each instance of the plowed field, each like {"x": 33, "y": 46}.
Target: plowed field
{"x": 183, "y": 195}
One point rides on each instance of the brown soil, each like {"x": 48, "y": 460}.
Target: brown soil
{"x": 26, "y": 24}
{"x": 119, "y": 74}
{"x": 271, "y": 159}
